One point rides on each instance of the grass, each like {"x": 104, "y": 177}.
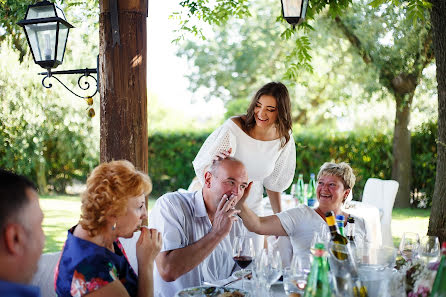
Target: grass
{"x": 62, "y": 212}
{"x": 408, "y": 219}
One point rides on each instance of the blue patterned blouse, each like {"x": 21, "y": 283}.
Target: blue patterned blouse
{"x": 85, "y": 267}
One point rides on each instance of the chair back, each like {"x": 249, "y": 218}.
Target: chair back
{"x": 129, "y": 245}
{"x": 44, "y": 277}
{"x": 382, "y": 193}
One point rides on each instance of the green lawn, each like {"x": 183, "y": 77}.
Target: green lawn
{"x": 409, "y": 220}
{"x": 62, "y": 212}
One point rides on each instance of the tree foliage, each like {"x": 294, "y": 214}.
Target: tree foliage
{"x": 42, "y": 136}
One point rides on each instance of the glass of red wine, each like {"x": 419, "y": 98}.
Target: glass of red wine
{"x": 243, "y": 253}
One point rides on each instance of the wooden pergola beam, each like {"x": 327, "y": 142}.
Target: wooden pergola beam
{"x": 123, "y": 83}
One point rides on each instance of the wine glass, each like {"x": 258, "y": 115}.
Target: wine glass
{"x": 409, "y": 245}
{"x": 295, "y": 276}
{"x": 294, "y": 281}
{"x": 243, "y": 253}
{"x": 269, "y": 268}
{"x": 301, "y": 261}
{"x": 429, "y": 249}
{"x": 321, "y": 235}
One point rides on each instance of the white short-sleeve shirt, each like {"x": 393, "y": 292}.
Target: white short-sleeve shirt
{"x": 182, "y": 220}
{"x": 300, "y": 223}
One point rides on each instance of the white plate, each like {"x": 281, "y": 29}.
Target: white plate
{"x": 208, "y": 291}
{"x": 239, "y": 273}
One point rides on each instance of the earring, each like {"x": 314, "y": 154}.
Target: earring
{"x": 114, "y": 227}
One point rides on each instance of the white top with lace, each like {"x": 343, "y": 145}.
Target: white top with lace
{"x": 267, "y": 163}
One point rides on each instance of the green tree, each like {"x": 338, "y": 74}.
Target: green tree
{"x": 43, "y": 136}
{"x": 398, "y": 49}
{"x": 393, "y": 51}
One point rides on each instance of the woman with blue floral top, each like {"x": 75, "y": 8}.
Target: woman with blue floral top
{"x": 93, "y": 261}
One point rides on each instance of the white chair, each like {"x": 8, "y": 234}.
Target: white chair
{"x": 382, "y": 193}
{"x": 44, "y": 277}
{"x": 129, "y": 245}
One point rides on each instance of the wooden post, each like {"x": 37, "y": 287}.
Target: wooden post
{"x": 123, "y": 83}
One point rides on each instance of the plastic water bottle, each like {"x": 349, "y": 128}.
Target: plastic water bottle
{"x": 300, "y": 189}
{"x": 311, "y": 191}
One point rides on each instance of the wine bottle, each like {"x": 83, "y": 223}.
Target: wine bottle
{"x": 300, "y": 188}
{"x": 439, "y": 287}
{"x": 336, "y": 237}
{"x": 350, "y": 232}
{"x": 318, "y": 284}
{"x": 340, "y": 222}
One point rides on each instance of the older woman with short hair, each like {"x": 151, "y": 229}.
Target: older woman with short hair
{"x": 334, "y": 183}
{"x": 93, "y": 261}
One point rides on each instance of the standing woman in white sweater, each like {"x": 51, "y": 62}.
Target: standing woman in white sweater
{"x": 263, "y": 141}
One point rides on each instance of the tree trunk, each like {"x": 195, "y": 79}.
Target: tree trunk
{"x": 437, "y": 221}
{"x": 402, "y": 161}
{"x": 123, "y": 83}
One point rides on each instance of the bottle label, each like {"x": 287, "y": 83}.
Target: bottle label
{"x": 330, "y": 220}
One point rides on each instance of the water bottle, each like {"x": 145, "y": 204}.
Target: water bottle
{"x": 340, "y": 222}
{"x": 311, "y": 191}
{"x": 318, "y": 282}
{"x": 300, "y": 189}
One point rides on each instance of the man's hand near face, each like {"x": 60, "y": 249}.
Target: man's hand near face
{"x": 225, "y": 216}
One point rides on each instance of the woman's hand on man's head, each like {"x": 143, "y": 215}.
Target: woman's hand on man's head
{"x": 223, "y": 154}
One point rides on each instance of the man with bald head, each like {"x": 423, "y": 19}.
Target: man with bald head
{"x": 198, "y": 229}
{"x": 21, "y": 235}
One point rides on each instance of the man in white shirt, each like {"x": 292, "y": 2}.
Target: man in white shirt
{"x": 198, "y": 229}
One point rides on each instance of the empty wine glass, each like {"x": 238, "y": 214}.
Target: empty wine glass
{"x": 301, "y": 261}
{"x": 321, "y": 235}
{"x": 269, "y": 268}
{"x": 294, "y": 281}
{"x": 243, "y": 253}
{"x": 430, "y": 249}
{"x": 409, "y": 245}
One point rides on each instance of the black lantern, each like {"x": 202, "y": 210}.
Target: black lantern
{"x": 46, "y": 30}
{"x": 293, "y": 11}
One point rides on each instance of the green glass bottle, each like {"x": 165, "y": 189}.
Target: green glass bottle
{"x": 300, "y": 189}
{"x": 439, "y": 287}
{"x": 340, "y": 222}
{"x": 311, "y": 191}
{"x": 318, "y": 284}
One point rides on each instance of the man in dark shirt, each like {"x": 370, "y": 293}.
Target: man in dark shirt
{"x": 21, "y": 235}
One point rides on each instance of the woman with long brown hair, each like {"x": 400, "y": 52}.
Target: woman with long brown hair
{"x": 263, "y": 141}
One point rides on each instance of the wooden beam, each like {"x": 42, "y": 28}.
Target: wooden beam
{"x": 123, "y": 84}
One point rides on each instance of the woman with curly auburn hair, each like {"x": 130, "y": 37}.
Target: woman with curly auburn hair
{"x": 93, "y": 261}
